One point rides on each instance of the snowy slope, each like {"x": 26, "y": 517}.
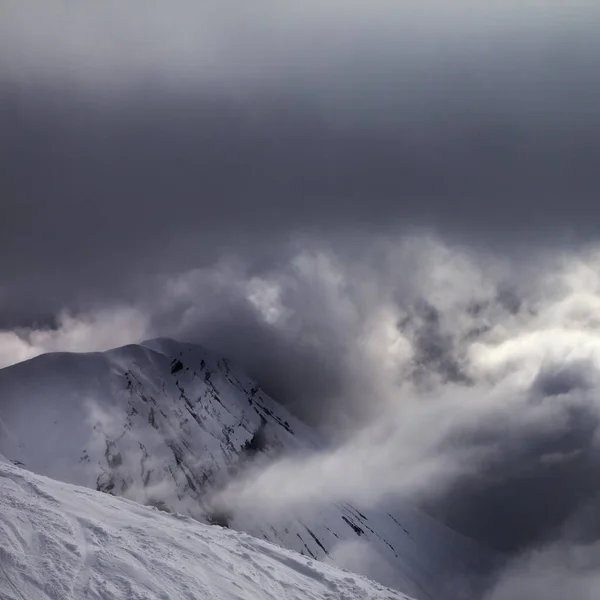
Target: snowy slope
{"x": 61, "y": 542}
{"x": 165, "y": 423}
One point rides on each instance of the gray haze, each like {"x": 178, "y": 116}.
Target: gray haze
{"x": 363, "y": 206}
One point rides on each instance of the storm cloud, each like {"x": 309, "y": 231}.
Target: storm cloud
{"x": 160, "y": 138}
{"x": 369, "y": 208}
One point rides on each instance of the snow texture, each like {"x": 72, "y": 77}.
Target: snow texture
{"x": 62, "y": 542}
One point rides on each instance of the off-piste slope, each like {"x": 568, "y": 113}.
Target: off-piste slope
{"x": 62, "y": 542}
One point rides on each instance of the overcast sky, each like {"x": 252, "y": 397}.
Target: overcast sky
{"x": 154, "y": 136}
{"x": 374, "y": 193}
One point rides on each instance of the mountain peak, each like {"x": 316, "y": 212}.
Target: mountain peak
{"x": 167, "y": 424}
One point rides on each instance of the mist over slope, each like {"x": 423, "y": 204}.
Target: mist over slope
{"x": 168, "y": 424}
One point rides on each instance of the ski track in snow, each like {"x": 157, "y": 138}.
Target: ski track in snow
{"x": 62, "y": 542}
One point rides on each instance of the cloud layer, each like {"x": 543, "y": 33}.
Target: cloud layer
{"x": 158, "y": 139}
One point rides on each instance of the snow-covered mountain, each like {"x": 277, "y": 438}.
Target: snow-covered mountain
{"x": 62, "y": 542}
{"x": 166, "y": 423}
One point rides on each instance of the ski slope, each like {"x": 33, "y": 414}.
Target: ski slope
{"x": 62, "y": 542}
{"x": 166, "y": 423}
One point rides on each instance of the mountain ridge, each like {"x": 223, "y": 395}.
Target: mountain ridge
{"x": 167, "y": 423}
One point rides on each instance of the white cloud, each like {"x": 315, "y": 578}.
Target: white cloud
{"x": 555, "y": 572}
{"x": 89, "y": 332}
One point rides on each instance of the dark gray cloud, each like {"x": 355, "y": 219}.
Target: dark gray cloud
{"x": 537, "y": 481}
{"x": 126, "y": 150}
